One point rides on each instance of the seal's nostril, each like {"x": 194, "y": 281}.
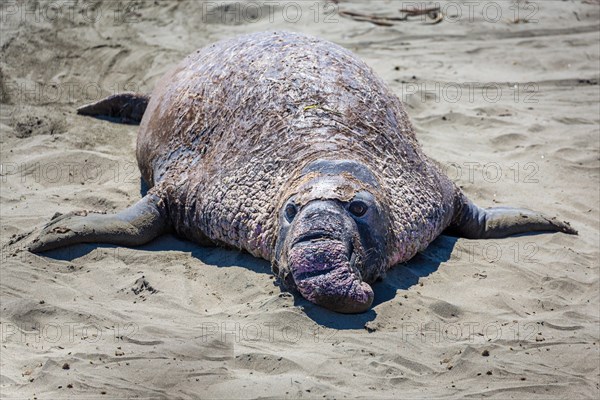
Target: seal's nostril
{"x": 290, "y": 212}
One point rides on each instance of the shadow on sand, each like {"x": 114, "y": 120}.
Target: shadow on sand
{"x": 400, "y": 277}
{"x": 220, "y": 257}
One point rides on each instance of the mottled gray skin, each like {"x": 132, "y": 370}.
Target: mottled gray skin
{"x": 291, "y": 148}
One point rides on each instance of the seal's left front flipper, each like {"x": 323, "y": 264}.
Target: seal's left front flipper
{"x": 474, "y": 222}
{"x": 133, "y": 226}
{"x": 127, "y": 108}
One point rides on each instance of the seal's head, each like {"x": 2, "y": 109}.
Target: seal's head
{"x": 331, "y": 241}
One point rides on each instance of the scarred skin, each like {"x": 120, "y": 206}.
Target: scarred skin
{"x": 291, "y": 148}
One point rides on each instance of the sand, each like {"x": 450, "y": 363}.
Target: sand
{"x": 511, "y": 318}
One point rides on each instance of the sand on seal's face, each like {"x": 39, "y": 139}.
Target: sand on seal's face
{"x": 504, "y": 318}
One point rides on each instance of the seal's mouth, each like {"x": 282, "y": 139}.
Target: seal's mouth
{"x": 313, "y": 236}
{"x": 325, "y": 272}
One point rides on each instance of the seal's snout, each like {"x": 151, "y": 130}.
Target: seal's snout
{"x": 323, "y": 260}
{"x": 325, "y": 275}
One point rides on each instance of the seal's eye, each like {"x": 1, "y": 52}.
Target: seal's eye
{"x": 358, "y": 208}
{"x": 290, "y": 212}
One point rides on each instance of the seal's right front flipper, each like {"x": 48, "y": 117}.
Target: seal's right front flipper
{"x": 473, "y": 222}
{"x": 127, "y": 108}
{"x": 133, "y": 226}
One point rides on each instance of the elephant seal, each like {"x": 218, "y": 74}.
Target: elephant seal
{"x": 291, "y": 148}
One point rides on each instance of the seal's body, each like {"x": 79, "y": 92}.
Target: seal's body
{"x": 230, "y": 127}
{"x": 291, "y": 148}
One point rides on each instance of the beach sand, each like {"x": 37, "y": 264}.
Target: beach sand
{"x": 510, "y": 107}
